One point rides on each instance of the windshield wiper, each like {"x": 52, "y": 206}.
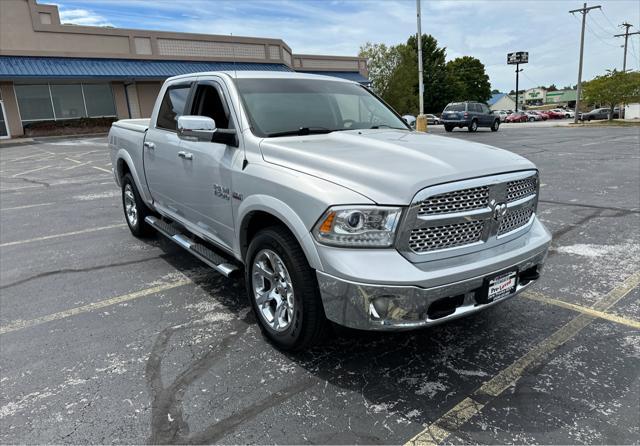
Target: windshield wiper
{"x": 386, "y": 126}
{"x": 302, "y": 131}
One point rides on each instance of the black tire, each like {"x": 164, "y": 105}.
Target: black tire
{"x": 448, "y": 128}
{"x": 531, "y": 119}
{"x": 309, "y": 324}
{"x": 495, "y": 126}
{"x": 138, "y": 227}
{"x": 473, "y": 127}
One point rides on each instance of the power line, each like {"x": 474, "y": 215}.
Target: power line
{"x": 607, "y": 18}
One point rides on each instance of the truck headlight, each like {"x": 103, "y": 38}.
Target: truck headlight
{"x": 358, "y": 226}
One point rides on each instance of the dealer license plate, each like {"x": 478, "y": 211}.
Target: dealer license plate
{"x": 500, "y": 285}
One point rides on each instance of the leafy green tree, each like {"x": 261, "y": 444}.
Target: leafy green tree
{"x": 468, "y": 80}
{"x": 613, "y": 88}
{"x": 382, "y": 61}
{"x": 402, "y": 91}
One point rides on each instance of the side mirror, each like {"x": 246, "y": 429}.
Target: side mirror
{"x": 203, "y": 128}
{"x": 196, "y": 128}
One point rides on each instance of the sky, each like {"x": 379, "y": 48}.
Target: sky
{"x": 486, "y": 29}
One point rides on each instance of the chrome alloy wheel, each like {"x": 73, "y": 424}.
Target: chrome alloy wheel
{"x": 273, "y": 290}
{"x": 130, "y": 208}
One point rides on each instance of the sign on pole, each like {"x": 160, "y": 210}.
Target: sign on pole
{"x": 517, "y": 58}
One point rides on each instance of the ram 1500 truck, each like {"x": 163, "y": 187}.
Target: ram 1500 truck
{"x": 334, "y": 208}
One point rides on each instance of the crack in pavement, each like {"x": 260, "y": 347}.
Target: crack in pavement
{"x": 78, "y": 270}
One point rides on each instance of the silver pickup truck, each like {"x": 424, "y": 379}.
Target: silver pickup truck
{"x": 331, "y": 205}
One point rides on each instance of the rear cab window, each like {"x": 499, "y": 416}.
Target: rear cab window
{"x": 172, "y": 106}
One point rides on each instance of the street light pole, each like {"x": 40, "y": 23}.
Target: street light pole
{"x": 517, "y": 81}
{"x": 421, "y": 120}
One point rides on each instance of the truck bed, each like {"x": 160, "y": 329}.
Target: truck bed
{"x": 137, "y": 125}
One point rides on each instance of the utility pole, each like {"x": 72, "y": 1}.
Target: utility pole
{"x": 584, "y": 11}
{"x": 421, "y": 120}
{"x": 626, "y": 40}
{"x": 624, "y": 60}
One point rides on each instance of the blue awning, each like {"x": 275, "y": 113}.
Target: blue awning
{"x": 349, "y": 75}
{"x": 12, "y": 67}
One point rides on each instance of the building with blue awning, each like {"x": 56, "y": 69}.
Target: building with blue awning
{"x": 50, "y": 71}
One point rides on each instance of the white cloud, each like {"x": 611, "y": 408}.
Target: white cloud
{"x": 82, "y": 17}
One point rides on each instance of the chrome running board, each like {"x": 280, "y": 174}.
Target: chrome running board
{"x": 221, "y": 264}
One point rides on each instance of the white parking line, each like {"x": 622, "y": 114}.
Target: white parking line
{"x": 100, "y": 168}
{"x": 30, "y": 171}
{"x": 21, "y": 324}
{"x": 66, "y": 234}
{"x": 26, "y": 206}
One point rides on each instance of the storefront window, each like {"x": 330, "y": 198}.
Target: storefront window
{"x": 34, "y": 102}
{"x": 99, "y": 100}
{"x": 67, "y": 101}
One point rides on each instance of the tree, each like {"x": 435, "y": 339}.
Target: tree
{"x": 613, "y": 88}
{"x": 402, "y": 91}
{"x": 468, "y": 80}
{"x": 382, "y": 60}
{"x": 495, "y": 91}
{"x": 552, "y": 87}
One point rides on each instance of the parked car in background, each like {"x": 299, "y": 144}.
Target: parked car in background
{"x": 432, "y": 120}
{"x": 543, "y": 115}
{"x": 554, "y": 114}
{"x": 501, "y": 114}
{"x": 517, "y": 117}
{"x": 470, "y": 115}
{"x": 600, "y": 113}
{"x": 533, "y": 116}
{"x": 410, "y": 119}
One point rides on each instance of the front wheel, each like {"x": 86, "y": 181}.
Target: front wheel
{"x": 135, "y": 211}
{"x": 283, "y": 290}
{"x": 473, "y": 127}
{"x": 530, "y": 119}
{"x": 495, "y": 125}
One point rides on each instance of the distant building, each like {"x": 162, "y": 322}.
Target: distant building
{"x": 51, "y": 72}
{"x": 535, "y": 96}
{"x": 562, "y": 97}
{"x": 501, "y": 101}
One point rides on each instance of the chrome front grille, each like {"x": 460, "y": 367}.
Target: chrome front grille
{"x": 514, "y": 220}
{"x": 465, "y": 216}
{"x": 456, "y": 201}
{"x": 521, "y": 188}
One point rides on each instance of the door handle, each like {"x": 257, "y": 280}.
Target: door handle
{"x": 149, "y": 145}
{"x": 185, "y": 155}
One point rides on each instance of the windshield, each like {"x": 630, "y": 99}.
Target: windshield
{"x": 279, "y": 107}
{"x": 455, "y": 107}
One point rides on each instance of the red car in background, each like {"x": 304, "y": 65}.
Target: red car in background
{"x": 517, "y": 117}
{"x": 554, "y": 115}
{"x": 542, "y": 114}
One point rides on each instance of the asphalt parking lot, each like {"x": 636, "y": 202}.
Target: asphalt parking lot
{"x": 105, "y": 338}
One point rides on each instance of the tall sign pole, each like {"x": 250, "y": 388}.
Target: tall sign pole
{"x": 584, "y": 11}
{"x": 516, "y": 59}
{"x": 421, "y": 121}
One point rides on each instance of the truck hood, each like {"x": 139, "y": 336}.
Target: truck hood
{"x": 389, "y": 166}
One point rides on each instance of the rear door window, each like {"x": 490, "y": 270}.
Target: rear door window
{"x": 172, "y": 107}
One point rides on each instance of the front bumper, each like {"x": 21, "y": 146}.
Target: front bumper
{"x": 440, "y": 290}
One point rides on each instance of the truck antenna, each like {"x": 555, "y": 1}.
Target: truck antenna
{"x": 235, "y": 75}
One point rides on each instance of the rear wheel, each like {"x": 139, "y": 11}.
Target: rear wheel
{"x": 473, "y": 127}
{"x": 495, "y": 125}
{"x": 448, "y": 128}
{"x": 283, "y": 290}
{"x": 135, "y": 211}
